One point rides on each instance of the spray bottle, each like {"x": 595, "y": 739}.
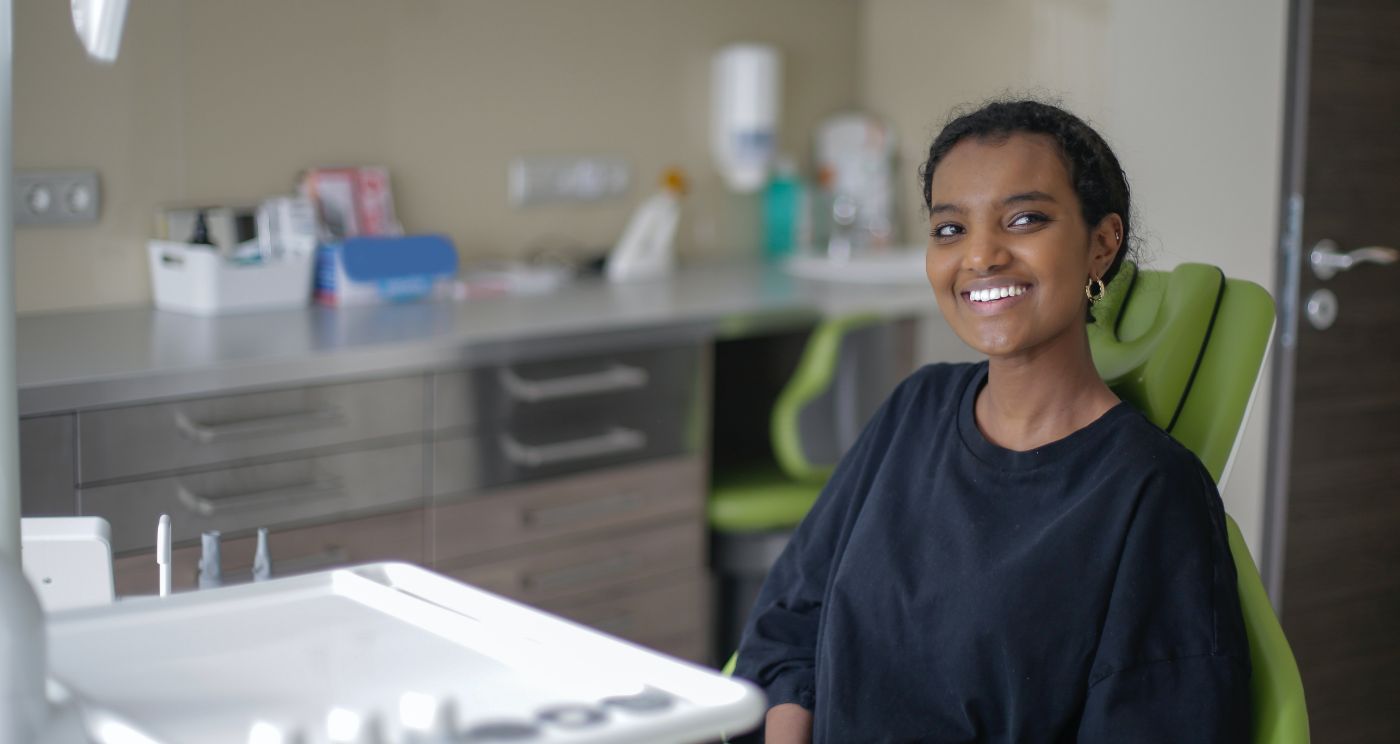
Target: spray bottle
{"x": 647, "y": 250}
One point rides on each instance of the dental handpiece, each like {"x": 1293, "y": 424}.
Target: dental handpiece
{"x": 210, "y": 573}
{"x": 163, "y": 553}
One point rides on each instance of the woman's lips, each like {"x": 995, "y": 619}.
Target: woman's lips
{"x": 1017, "y": 293}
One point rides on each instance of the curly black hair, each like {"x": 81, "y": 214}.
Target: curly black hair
{"x": 1094, "y": 171}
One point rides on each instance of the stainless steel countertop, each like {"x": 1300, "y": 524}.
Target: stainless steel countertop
{"x": 94, "y": 359}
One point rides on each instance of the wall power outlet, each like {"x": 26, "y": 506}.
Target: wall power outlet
{"x": 546, "y": 180}
{"x": 56, "y": 197}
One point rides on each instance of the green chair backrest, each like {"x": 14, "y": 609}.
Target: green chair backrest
{"x": 842, "y": 377}
{"x": 1186, "y": 348}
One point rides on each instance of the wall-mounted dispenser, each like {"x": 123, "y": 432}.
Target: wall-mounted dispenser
{"x": 745, "y": 105}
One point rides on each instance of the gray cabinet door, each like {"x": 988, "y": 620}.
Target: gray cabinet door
{"x": 241, "y": 499}
{"x": 47, "y": 466}
{"x": 163, "y": 437}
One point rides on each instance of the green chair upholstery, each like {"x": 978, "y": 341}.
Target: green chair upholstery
{"x": 776, "y": 495}
{"x": 1187, "y": 347}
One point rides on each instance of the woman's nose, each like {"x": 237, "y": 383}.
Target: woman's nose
{"x": 985, "y": 255}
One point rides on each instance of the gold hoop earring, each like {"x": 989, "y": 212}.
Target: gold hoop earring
{"x": 1091, "y": 293}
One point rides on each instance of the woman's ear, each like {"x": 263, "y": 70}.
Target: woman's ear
{"x": 1105, "y": 242}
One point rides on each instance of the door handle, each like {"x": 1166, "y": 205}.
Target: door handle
{"x": 1327, "y": 258}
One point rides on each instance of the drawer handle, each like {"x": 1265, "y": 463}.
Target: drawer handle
{"x": 554, "y": 516}
{"x": 615, "y": 441}
{"x": 580, "y": 574}
{"x": 210, "y": 433}
{"x": 614, "y": 378}
{"x": 209, "y": 507}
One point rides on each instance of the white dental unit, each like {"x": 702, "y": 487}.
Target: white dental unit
{"x": 374, "y": 654}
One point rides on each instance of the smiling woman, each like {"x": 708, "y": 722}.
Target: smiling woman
{"x": 1009, "y": 553}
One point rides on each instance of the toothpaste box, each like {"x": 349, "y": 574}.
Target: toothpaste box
{"x": 370, "y": 270}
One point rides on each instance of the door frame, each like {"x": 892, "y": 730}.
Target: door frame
{"x": 1287, "y": 277}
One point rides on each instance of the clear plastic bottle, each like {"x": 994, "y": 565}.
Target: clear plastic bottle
{"x": 816, "y": 222}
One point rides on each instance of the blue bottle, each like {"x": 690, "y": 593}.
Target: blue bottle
{"x": 782, "y": 211}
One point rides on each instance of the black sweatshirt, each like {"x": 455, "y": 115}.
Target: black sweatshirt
{"x": 944, "y": 589}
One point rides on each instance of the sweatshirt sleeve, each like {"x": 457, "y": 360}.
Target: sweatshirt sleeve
{"x": 1173, "y": 660}
{"x": 778, "y": 648}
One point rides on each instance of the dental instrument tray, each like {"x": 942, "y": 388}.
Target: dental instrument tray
{"x": 386, "y": 652}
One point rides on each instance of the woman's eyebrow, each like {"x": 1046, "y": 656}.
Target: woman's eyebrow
{"x": 1028, "y": 196}
{"x": 1025, "y": 196}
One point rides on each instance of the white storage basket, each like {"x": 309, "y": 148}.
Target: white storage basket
{"x": 196, "y": 279}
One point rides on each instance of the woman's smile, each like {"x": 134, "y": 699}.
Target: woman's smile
{"x": 995, "y": 297}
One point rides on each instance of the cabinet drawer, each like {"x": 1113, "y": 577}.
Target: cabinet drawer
{"x": 47, "y": 456}
{"x": 124, "y": 442}
{"x": 391, "y": 537}
{"x": 561, "y": 507}
{"x": 521, "y": 451}
{"x": 558, "y": 389}
{"x": 583, "y": 568}
{"x": 245, "y": 498}
{"x": 651, "y": 614}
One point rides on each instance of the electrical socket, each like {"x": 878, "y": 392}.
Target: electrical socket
{"x": 56, "y": 197}
{"x": 548, "y": 180}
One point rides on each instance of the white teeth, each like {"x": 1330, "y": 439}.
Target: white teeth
{"x": 995, "y": 293}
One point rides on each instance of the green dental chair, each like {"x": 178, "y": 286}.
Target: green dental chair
{"x": 1186, "y": 347}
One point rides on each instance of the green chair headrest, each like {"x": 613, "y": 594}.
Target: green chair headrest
{"x": 1150, "y": 332}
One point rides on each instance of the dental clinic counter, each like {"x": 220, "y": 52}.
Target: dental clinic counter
{"x": 87, "y": 359}
{"x": 552, "y": 449}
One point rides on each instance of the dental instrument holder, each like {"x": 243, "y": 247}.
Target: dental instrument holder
{"x": 210, "y": 569}
{"x": 262, "y": 561}
{"x": 394, "y": 652}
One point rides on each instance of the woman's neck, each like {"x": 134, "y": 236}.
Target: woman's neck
{"x": 1042, "y": 395}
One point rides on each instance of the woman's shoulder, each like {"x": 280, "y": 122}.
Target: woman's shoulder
{"x": 1143, "y": 446}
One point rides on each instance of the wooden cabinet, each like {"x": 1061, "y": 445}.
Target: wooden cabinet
{"x": 575, "y": 484}
{"x": 579, "y": 486}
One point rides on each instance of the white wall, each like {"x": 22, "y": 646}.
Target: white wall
{"x": 1189, "y": 93}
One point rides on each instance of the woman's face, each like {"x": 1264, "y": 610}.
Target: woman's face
{"x": 1009, "y": 253}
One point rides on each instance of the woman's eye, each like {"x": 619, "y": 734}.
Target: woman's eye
{"x": 945, "y": 230}
{"x": 1028, "y": 218}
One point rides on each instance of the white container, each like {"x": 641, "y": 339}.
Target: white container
{"x": 745, "y": 104}
{"x": 196, "y": 279}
